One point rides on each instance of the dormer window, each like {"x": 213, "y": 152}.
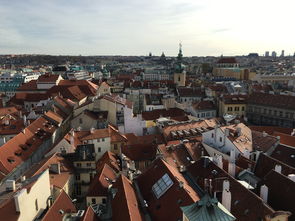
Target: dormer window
{"x": 10, "y": 160}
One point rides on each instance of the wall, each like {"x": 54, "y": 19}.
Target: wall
{"x": 39, "y": 192}
{"x": 132, "y": 124}
{"x": 98, "y": 199}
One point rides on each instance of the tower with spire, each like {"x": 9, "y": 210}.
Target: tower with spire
{"x": 179, "y": 75}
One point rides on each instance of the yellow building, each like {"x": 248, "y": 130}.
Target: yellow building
{"x": 234, "y": 72}
{"x": 232, "y": 104}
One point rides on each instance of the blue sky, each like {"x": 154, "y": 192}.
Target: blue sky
{"x": 136, "y": 27}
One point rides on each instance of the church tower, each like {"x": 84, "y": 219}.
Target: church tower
{"x": 179, "y": 75}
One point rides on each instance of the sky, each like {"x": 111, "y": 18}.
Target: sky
{"x": 137, "y": 27}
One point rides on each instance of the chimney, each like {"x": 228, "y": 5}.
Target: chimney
{"x": 264, "y": 193}
{"x": 55, "y": 168}
{"x": 10, "y": 185}
{"x": 278, "y": 168}
{"x": 23, "y": 178}
{"x": 92, "y": 130}
{"x": 232, "y": 157}
{"x": 84, "y": 155}
{"x": 226, "y": 195}
{"x": 232, "y": 169}
{"x": 180, "y": 184}
{"x": 246, "y": 153}
{"x": 210, "y": 187}
{"x": 25, "y": 120}
{"x": 292, "y": 177}
{"x": 206, "y": 185}
{"x": 218, "y": 161}
{"x": 239, "y": 131}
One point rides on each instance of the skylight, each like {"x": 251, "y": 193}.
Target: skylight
{"x": 162, "y": 185}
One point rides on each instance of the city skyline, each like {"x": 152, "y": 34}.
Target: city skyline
{"x": 137, "y": 27}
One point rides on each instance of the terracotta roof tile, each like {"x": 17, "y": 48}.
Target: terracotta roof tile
{"x": 63, "y": 202}
{"x": 100, "y": 183}
{"x": 273, "y": 100}
{"x": 125, "y": 205}
{"x": 89, "y": 215}
{"x": 245, "y": 205}
{"x": 280, "y": 192}
{"x": 167, "y": 206}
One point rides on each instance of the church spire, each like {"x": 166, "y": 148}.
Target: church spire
{"x": 179, "y": 57}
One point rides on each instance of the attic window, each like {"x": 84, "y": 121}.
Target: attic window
{"x": 24, "y": 147}
{"x": 162, "y": 185}
{"x": 18, "y": 153}
{"x": 10, "y": 160}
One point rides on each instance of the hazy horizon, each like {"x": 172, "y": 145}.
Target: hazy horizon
{"x": 135, "y": 28}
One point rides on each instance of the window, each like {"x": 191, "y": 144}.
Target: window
{"x": 98, "y": 140}
{"x": 275, "y": 113}
{"x": 78, "y": 177}
{"x": 36, "y": 205}
{"x": 104, "y": 201}
{"x": 229, "y": 109}
{"x": 93, "y": 201}
{"x": 220, "y": 139}
{"x": 88, "y": 164}
{"x": 269, "y": 112}
{"x": 212, "y": 135}
{"x": 99, "y": 149}
{"x": 78, "y": 164}
{"x": 80, "y": 121}
{"x": 162, "y": 185}
{"x": 102, "y": 139}
{"x": 281, "y": 113}
{"x": 243, "y": 108}
{"x": 237, "y": 108}
{"x": 178, "y": 78}
{"x": 115, "y": 146}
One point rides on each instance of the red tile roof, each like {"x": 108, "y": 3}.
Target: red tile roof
{"x": 271, "y": 129}
{"x": 89, "y": 215}
{"x": 204, "y": 105}
{"x": 245, "y": 205}
{"x": 273, "y": 100}
{"x": 227, "y": 60}
{"x": 125, "y": 205}
{"x": 266, "y": 163}
{"x": 63, "y": 202}
{"x": 48, "y": 78}
{"x": 190, "y": 92}
{"x": 280, "y": 192}
{"x": 167, "y": 207}
{"x": 285, "y": 138}
{"x": 110, "y": 159}
{"x": 234, "y": 99}
{"x": 22, "y": 146}
{"x": 101, "y": 182}
{"x": 29, "y": 86}
{"x": 285, "y": 154}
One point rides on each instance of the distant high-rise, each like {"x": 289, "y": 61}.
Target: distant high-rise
{"x": 274, "y": 54}
{"x": 283, "y": 53}
{"x": 267, "y": 54}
